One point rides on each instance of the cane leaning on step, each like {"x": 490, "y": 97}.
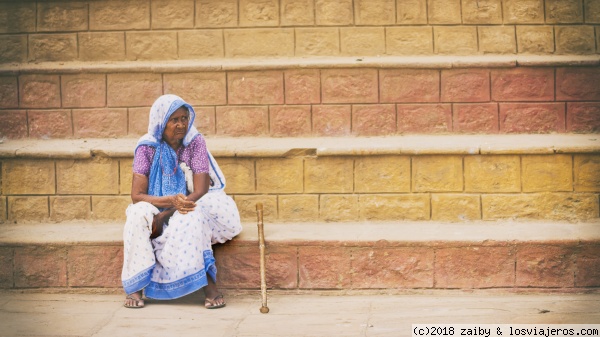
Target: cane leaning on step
{"x": 261, "y": 245}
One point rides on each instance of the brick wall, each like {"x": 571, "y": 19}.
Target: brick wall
{"x": 336, "y": 188}
{"x": 92, "y": 69}
{"x": 190, "y": 29}
{"x": 308, "y": 102}
{"x": 106, "y": 72}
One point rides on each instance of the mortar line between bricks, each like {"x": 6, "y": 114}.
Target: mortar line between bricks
{"x": 339, "y": 31}
{"x": 222, "y": 38}
{"x": 554, "y": 39}
{"x": 521, "y": 175}
{"x": 5, "y": 202}
{"x": 67, "y": 249}
{"x": 596, "y": 39}
{"x": 430, "y": 206}
{"x": 573, "y": 173}
{"x": 433, "y": 265}
{"x": 119, "y": 189}
{"x": 124, "y": 46}
{"x": 88, "y": 17}
{"x": 554, "y": 91}
{"x": 36, "y": 30}
{"x": 177, "y": 44}
{"x": 106, "y": 94}
{"x": 55, "y": 178}
{"x": 497, "y": 117}
{"x": 354, "y": 175}
{"x": 565, "y": 114}
{"x": 283, "y": 87}
{"x": 14, "y": 271}
{"x": 297, "y": 267}
{"x": 238, "y": 13}
{"x": 351, "y": 270}
{"x": 78, "y": 44}
{"x": 149, "y": 2}
{"x": 410, "y": 169}
{"x": 255, "y": 180}
{"x": 515, "y": 266}
{"x": 544, "y": 11}
{"x": 575, "y": 254}
{"x": 439, "y": 98}
{"x": 452, "y": 106}
{"x": 293, "y": 37}
{"x": 489, "y": 73}
{"x": 514, "y": 35}
{"x": 311, "y": 119}
{"x": 379, "y": 90}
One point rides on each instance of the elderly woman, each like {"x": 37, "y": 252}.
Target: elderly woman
{"x": 179, "y": 210}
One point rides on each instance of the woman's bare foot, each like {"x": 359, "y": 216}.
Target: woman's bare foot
{"x": 134, "y": 300}
{"x": 214, "y": 299}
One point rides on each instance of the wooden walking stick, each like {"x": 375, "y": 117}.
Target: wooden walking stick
{"x": 261, "y": 245}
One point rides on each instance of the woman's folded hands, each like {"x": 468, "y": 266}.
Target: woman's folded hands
{"x": 182, "y": 204}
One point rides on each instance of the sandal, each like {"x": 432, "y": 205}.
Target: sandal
{"x": 137, "y": 302}
{"x": 212, "y": 304}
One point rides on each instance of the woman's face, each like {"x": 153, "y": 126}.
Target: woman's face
{"x": 177, "y": 126}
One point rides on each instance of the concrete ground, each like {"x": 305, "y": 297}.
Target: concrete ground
{"x": 291, "y": 314}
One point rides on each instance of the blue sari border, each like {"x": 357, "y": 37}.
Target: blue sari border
{"x": 209, "y": 265}
{"x": 138, "y": 282}
{"x": 173, "y": 290}
{"x": 185, "y": 286}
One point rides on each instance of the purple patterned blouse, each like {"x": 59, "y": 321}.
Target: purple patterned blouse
{"x": 195, "y": 156}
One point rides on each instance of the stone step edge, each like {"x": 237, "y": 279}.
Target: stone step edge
{"x": 320, "y": 146}
{"x": 400, "y": 233}
{"x": 243, "y": 64}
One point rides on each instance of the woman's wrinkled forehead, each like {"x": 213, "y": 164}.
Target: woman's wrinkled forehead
{"x": 183, "y": 109}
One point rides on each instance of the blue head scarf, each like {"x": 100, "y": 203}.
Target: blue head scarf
{"x": 166, "y": 177}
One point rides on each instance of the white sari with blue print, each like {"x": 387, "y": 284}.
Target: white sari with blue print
{"x": 177, "y": 262}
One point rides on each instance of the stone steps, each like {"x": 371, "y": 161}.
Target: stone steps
{"x": 307, "y": 97}
{"x": 524, "y": 256}
{"x": 399, "y": 171}
{"x": 63, "y": 233}
{"x": 427, "y": 178}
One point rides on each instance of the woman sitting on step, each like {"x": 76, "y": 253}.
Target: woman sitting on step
{"x": 179, "y": 210}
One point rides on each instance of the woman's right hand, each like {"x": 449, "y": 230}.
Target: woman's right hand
{"x": 183, "y": 205}
{"x": 157, "y": 225}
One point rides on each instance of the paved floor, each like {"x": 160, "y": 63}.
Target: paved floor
{"x": 291, "y": 314}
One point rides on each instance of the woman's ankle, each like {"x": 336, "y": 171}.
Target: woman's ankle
{"x": 211, "y": 290}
